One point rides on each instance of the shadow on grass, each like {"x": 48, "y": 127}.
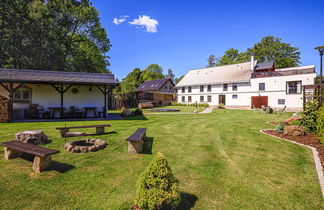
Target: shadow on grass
{"x": 137, "y": 117}
{"x": 90, "y": 134}
{"x": 148, "y": 145}
{"x": 187, "y": 201}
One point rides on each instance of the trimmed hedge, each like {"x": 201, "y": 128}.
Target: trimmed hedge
{"x": 157, "y": 188}
{"x": 320, "y": 123}
{"x": 188, "y": 104}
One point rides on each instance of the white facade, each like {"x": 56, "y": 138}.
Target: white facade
{"x": 46, "y": 96}
{"x": 275, "y": 88}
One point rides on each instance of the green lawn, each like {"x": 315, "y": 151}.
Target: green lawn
{"x": 221, "y": 160}
{"x": 181, "y": 108}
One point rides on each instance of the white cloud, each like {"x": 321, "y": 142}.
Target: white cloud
{"x": 147, "y": 22}
{"x": 120, "y": 20}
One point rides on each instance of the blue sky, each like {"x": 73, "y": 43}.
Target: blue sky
{"x": 189, "y": 31}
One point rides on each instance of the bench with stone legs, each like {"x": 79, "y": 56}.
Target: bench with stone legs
{"x": 65, "y": 131}
{"x": 42, "y": 160}
{"x": 136, "y": 140}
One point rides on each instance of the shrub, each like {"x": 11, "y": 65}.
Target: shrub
{"x": 320, "y": 123}
{"x": 269, "y": 110}
{"x": 157, "y": 188}
{"x": 295, "y": 122}
{"x": 280, "y": 128}
{"x": 221, "y": 106}
{"x": 309, "y": 116}
{"x": 138, "y": 111}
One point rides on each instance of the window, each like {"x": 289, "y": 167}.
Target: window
{"x": 189, "y": 89}
{"x": 183, "y": 99}
{"x": 225, "y": 87}
{"x": 201, "y": 88}
{"x": 209, "y": 88}
{"x": 209, "y": 98}
{"x": 294, "y": 87}
{"x": 189, "y": 98}
{"x": 261, "y": 86}
{"x": 234, "y": 86}
{"x": 201, "y": 98}
{"x": 234, "y": 96}
{"x": 183, "y": 89}
{"x": 281, "y": 101}
{"x": 22, "y": 95}
{"x": 166, "y": 87}
{"x": 170, "y": 87}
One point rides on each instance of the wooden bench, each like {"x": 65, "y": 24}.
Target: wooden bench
{"x": 100, "y": 129}
{"x": 136, "y": 140}
{"x": 42, "y": 160}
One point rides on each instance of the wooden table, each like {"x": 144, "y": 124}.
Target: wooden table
{"x": 90, "y": 109}
{"x": 53, "y": 110}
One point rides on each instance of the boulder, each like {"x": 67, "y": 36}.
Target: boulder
{"x": 32, "y": 137}
{"x": 126, "y": 113}
{"x": 294, "y": 130}
{"x": 293, "y": 118}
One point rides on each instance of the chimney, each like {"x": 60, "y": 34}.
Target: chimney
{"x": 252, "y": 62}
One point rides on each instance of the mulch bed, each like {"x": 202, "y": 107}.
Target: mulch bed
{"x": 308, "y": 139}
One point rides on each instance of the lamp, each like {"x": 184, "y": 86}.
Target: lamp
{"x": 321, "y": 51}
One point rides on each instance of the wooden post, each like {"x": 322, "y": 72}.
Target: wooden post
{"x": 61, "y": 90}
{"x": 11, "y": 90}
{"x": 104, "y": 91}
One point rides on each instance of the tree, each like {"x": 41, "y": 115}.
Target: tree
{"x": 170, "y": 74}
{"x": 232, "y": 56}
{"x": 152, "y": 71}
{"x": 157, "y": 188}
{"x": 272, "y": 48}
{"x": 179, "y": 79}
{"x": 53, "y": 35}
{"x": 211, "y": 61}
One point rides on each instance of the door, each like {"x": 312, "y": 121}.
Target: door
{"x": 259, "y": 101}
{"x": 222, "y": 99}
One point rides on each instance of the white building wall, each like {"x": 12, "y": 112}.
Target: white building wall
{"x": 47, "y": 96}
{"x": 275, "y": 88}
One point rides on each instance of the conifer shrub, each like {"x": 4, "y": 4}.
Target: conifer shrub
{"x": 157, "y": 188}
{"x": 309, "y": 116}
{"x": 280, "y": 128}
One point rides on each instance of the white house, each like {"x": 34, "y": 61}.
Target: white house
{"x": 52, "y": 94}
{"x": 247, "y": 84}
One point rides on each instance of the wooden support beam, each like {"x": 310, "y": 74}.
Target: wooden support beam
{"x": 5, "y": 86}
{"x": 105, "y": 92}
{"x": 61, "y": 90}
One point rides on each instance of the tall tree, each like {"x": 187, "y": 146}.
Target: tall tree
{"x": 177, "y": 80}
{"x": 53, "y": 34}
{"x": 211, "y": 61}
{"x": 272, "y": 48}
{"x": 170, "y": 74}
{"x": 232, "y": 56}
{"x": 152, "y": 71}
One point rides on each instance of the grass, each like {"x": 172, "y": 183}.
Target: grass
{"x": 181, "y": 108}
{"x": 221, "y": 160}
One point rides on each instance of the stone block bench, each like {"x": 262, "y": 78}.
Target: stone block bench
{"x": 42, "y": 160}
{"x": 65, "y": 131}
{"x": 136, "y": 140}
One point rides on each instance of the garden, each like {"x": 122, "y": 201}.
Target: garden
{"x": 218, "y": 161}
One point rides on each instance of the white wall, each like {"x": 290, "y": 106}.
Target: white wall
{"x": 47, "y": 96}
{"x": 275, "y": 88}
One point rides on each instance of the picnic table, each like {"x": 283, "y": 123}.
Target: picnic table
{"x": 42, "y": 160}
{"x": 54, "y": 110}
{"x": 100, "y": 129}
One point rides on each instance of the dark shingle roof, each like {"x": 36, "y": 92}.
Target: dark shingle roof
{"x": 153, "y": 85}
{"x": 267, "y": 65}
{"x": 55, "y": 77}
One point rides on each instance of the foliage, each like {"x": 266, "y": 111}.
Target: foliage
{"x": 157, "y": 188}
{"x": 320, "y": 123}
{"x": 170, "y": 75}
{"x": 268, "y": 110}
{"x": 190, "y": 104}
{"x": 280, "y": 127}
{"x": 295, "y": 122}
{"x": 152, "y": 72}
{"x": 233, "y": 56}
{"x": 63, "y": 35}
{"x": 138, "y": 111}
{"x": 309, "y": 116}
{"x": 177, "y": 80}
{"x": 221, "y": 106}
{"x": 211, "y": 61}
{"x": 271, "y": 48}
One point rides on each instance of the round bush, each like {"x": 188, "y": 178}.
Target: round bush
{"x": 280, "y": 128}
{"x": 157, "y": 188}
{"x": 138, "y": 112}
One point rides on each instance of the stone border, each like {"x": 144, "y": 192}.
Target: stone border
{"x": 318, "y": 165}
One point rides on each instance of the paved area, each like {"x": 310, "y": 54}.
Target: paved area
{"x": 207, "y": 110}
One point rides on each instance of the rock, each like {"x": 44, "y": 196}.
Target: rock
{"x": 126, "y": 113}
{"x": 294, "y": 130}
{"x": 32, "y": 137}
{"x": 41, "y": 163}
{"x": 195, "y": 111}
{"x": 290, "y": 119}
